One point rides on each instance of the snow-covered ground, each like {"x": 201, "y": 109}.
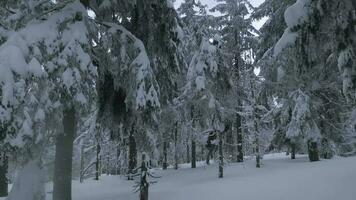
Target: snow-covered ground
{"x": 279, "y": 179}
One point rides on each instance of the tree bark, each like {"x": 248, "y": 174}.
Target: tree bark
{"x": 258, "y": 156}
{"x": 221, "y": 156}
{"x": 188, "y": 151}
{"x": 97, "y": 162}
{"x": 3, "y": 174}
{"x": 81, "y": 176}
{"x": 144, "y": 184}
{"x": 292, "y": 145}
{"x": 176, "y": 146}
{"x": 62, "y": 183}
{"x": 165, "y": 164}
{"x": 194, "y": 164}
{"x": 240, "y": 155}
{"x": 132, "y": 155}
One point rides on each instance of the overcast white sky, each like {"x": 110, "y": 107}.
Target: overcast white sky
{"x": 212, "y": 3}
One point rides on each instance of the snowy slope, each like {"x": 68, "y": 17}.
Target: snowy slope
{"x": 279, "y": 179}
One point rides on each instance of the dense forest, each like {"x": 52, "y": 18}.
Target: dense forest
{"x": 93, "y": 87}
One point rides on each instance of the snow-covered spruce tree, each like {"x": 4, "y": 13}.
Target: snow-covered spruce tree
{"x": 208, "y": 86}
{"x": 239, "y": 40}
{"x": 255, "y": 113}
{"x": 23, "y": 99}
{"x": 269, "y": 34}
{"x": 156, "y": 23}
{"x": 60, "y": 48}
{"x": 305, "y": 58}
{"x": 201, "y": 56}
{"x": 127, "y": 86}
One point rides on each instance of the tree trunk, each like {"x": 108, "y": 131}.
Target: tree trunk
{"x": 221, "y": 156}
{"x": 3, "y": 174}
{"x": 240, "y": 155}
{"x": 313, "y": 151}
{"x": 292, "y": 146}
{"x": 132, "y": 155}
{"x": 194, "y": 164}
{"x": 97, "y": 162}
{"x": 81, "y": 176}
{"x": 118, "y": 166}
{"x": 176, "y": 147}
{"x": 62, "y": 182}
{"x": 258, "y": 156}
{"x": 188, "y": 151}
{"x": 144, "y": 184}
{"x": 165, "y": 164}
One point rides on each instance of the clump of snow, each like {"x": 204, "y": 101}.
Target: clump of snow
{"x": 40, "y": 115}
{"x": 170, "y": 4}
{"x": 35, "y": 68}
{"x": 297, "y": 13}
{"x": 280, "y": 73}
{"x": 294, "y": 15}
{"x": 288, "y": 38}
{"x": 200, "y": 83}
{"x": 81, "y": 98}
{"x": 68, "y": 78}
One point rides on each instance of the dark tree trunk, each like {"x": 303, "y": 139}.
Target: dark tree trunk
{"x": 176, "y": 146}
{"x": 132, "y": 155}
{"x": 240, "y": 155}
{"x": 258, "y": 156}
{"x": 221, "y": 156}
{"x": 292, "y": 147}
{"x": 188, "y": 152}
{"x": 165, "y": 164}
{"x": 144, "y": 184}
{"x": 194, "y": 164}
{"x": 81, "y": 177}
{"x": 62, "y": 182}
{"x": 313, "y": 151}
{"x": 209, "y": 155}
{"x": 97, "y": 162}
{"x": 3, "y": 174}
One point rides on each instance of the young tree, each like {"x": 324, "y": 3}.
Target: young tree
{"x": 239, "y": 40}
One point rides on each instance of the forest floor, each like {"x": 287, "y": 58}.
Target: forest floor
{"x": 279, "y": 178}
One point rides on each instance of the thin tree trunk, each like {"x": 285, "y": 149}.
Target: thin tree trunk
{"x": 188, "y": 151}
{"x": 240, "y": 155}
{"x": 292, "y": 146}
{"x": 209, "y": 155}
{"x": 117, "y": 166}
{"x": 144, "y": 184}
{"x": 221, "y": 156}
{"x": 194, "y": 164}
{"x": 62, "y": 183}
{"x": 258, "y": 156}
{"x": 3, "y": 174}
{"x": 97, "y": 162}
{"x": 165, "y": 164}
{"x": 176, "y": 146}
{"x": 81, "y": 177}
{"x": 132, "y": 155}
